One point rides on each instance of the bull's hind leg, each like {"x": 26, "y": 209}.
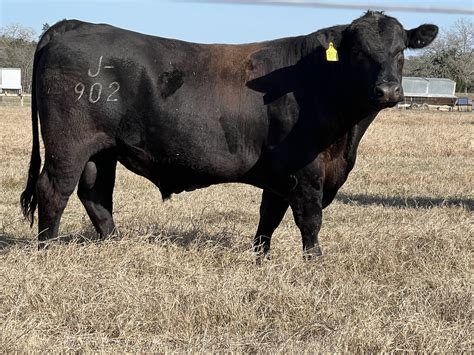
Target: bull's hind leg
{"x": 59, "y": 177}
{"x": 272, "y": 210}
{"x": 96, "y": 188}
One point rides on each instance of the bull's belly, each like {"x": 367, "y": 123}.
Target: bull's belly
{"x": 172, "y": 179}
{"x": 177, "y": 164}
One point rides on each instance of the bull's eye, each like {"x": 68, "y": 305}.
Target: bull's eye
{"x": 356, "y": 53}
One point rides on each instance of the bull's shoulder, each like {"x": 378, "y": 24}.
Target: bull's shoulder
{"x": 271, "y": 55}
{"x": 271, "y": 70}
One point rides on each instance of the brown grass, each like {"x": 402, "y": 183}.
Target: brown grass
{"x": 396, "y": 272}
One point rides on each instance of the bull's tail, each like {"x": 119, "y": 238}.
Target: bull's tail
{"x": 29, "y": 199}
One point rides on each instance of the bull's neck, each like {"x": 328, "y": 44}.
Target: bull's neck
{"x": 319, "y": 127}
{"x": 341, "y": 117}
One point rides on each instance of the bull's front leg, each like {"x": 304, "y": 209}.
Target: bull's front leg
{"x": 306, "y": 203}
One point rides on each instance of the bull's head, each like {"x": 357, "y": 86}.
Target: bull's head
{"x": 372, "y": 50}
{"x": 370, "y": 62}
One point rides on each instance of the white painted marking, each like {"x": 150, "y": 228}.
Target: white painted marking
{"x": 117, "y": 88}
{"x": 95, "y": 91}
{"x": 91, "y": 100}
{"x": 98, "y": 69}
{"x": 79, "y": 89}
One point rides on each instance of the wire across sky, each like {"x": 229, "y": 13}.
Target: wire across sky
{"x": 345, "y": 5}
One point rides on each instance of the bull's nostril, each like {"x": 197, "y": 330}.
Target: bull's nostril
{"x": 379, "y": 91}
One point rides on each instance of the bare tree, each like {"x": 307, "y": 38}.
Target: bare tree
{"x": 46, "y": 26}
{"x": 451, "y": 55}
{"x": 17, "y": 46}
{"x": 461, "y": 39}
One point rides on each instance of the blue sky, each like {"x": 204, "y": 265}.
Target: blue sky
{"x": 207, "y": 23}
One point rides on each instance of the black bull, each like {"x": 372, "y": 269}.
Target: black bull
{"x": 188, "y": 115}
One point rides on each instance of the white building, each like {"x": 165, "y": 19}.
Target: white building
{"x": 10, "y": 81}
{"x": 432, "y": 91}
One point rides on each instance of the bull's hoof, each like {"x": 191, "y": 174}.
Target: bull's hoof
{"x": 312, "y": 254}
{"x": 42, "y": 245}
{"x": 261, "y": 258}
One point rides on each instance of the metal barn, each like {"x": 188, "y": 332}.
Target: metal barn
{"x": 429, "y": 91}
{"x": 10, "y": 81}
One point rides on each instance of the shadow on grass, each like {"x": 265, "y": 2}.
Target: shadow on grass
{"x": 83, "y": 237}
{"x": 7, "y": 241}
{"x": 194, "y": 237}
{"x": 86, "y": 235}
{"x": 413, "y": 202}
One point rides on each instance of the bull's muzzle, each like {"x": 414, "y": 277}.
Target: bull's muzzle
{"x": 388, "y": 93}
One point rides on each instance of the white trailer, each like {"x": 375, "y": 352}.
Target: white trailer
{"x": 10, "y": 81}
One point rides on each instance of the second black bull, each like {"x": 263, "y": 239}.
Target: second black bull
{"x": 282, "y": 115}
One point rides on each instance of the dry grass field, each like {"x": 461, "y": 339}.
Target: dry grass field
{"x": 396, "y": 274}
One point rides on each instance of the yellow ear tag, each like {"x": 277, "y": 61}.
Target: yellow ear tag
{"x": 331, "y": 53}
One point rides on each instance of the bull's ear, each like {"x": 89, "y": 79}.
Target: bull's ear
{"x": 333, "y": 35}
{"x": 421, "y": 36}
